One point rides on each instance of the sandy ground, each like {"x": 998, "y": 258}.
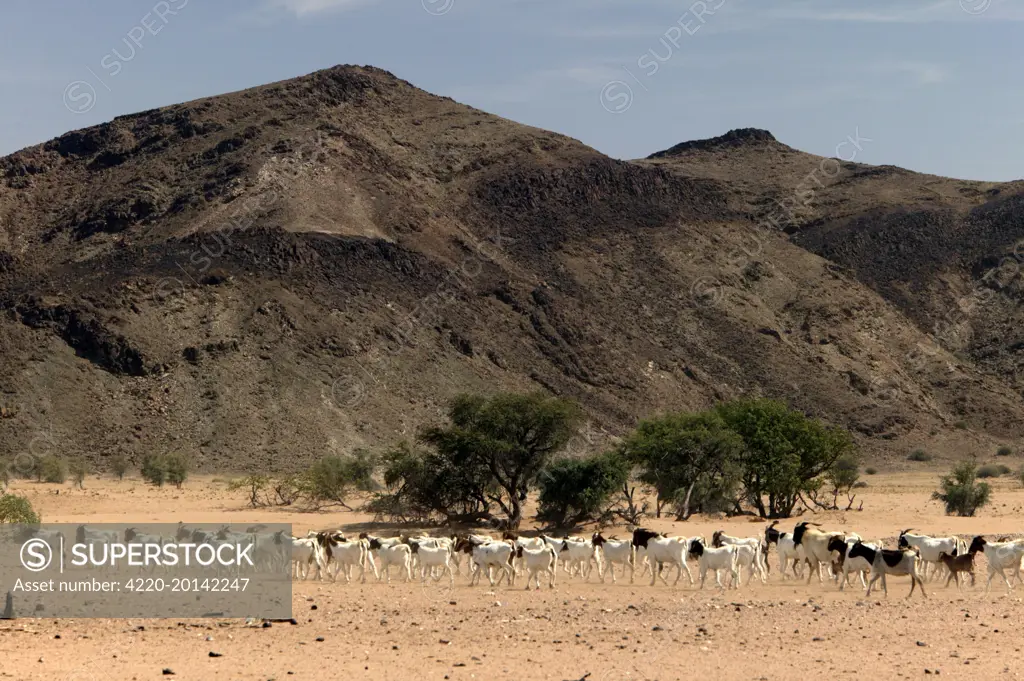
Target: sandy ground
{"x": 781, "y": 630}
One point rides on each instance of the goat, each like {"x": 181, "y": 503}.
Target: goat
{"x": 844, "y": 565}
{"x": 396, "y": 554}
{"x": 958, "y": 564}
{"x": 537, "y": 561}
{"x": 1000, "y": 555}
{"x": 616, "y": 551}
{"x": 815, "y": 546}
{"x": 929, "y": 548}
{"x": 305, "y": 552}
{"x": 891, "y": 562}
{"x": 756, "y": 562}
{"x": 787, "y": 550}
{"x": 344, "y": 554}
{"x": 431, "y": 557}
{"x": 494, "y": 554}
{"x": 660, "y": 550}
{"x": 581, "y": 554}
{"x": 722, "y": 558}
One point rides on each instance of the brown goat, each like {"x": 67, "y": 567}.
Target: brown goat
{"x": 958, "y": 564}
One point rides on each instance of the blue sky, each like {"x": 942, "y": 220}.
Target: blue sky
{"x": 934, "y": 84}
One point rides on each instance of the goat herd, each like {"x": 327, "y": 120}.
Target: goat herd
{"x": 843, "y": 554}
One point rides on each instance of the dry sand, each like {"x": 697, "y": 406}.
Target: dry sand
{"x": 781, "y": 630}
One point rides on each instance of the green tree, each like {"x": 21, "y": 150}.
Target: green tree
{"x": 423, "y": 484}
{"x": 576, "y": 490}
{"x": 511, "y": 436}
{"x": 784, "y": 452}
{"x": 960, "y": 491}
{"x": 691, "y": 461}
{"x": 17, "y": 510}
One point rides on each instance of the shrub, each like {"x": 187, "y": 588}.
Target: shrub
{"x": 15, "y": 509}
{"x": 332, "y": 478}
{"x": 860, "y": 484}
{"x": 919, "y": 455}
{"x": 1004, "y": 451}
{"x": 119, "y": 466}
{"x": 870, "y": 471}
{"x": 960, "y": 492}
{"x": 989, "y": 471}
{"x": 576, "y": 490}
{"x": 5, "y": 475}
{"x": 176, "y": 465}
{"x": 960, "y": 425}
{"x": 153, "y": 470}
{"x": 51, "y": 468}
{"x": 78, "y": 468}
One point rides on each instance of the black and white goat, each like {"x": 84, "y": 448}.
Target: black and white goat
{"x": 888, "y": 562}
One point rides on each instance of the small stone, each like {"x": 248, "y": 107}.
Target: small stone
{"x": 313, "y": 607}
{"x": 168, "y": 671}
{"x": 394, "y": 647}
{"x": 213, "y": 654}
{"x": 319, "y": 639}
{"x": 921, "y": 644}
{"x": 445, "y": 642}
{"x": 57, "y": 636}
{"x": 267, "y": 625}
{"x": 656, "y": 628}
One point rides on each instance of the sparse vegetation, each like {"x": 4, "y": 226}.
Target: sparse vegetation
{"x": 153, "y": 470}
{"x": 870, "y": 470}
{"x": 78, "y": 468}
{"x": 330, "y": 480}
{"x": 160, "y": 469}
{"x": 52, "y": 469}
{"x": 1004, "y": 451}
{"x": 960, "y": 425}
{"x": 119, "y": 466}
{"x": 960, "y": 492}
{"x": 16, "y": 509}
{"x": 993, "y": 470}
{"x": 919, "y": 455}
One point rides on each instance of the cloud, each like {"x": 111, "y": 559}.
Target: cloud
{"x": 922, "y": 73}
{"x": 875, "y": 12}
{"x": 302, "y": 8}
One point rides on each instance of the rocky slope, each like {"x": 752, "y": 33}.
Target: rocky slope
{"x": 309, "y": 266}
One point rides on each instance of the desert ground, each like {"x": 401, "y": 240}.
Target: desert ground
{"x": 601, "y": 632}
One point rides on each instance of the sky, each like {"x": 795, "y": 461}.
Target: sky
{"x": 930, "y": 85}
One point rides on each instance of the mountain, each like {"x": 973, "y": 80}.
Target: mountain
{"x": 319, "y": 264}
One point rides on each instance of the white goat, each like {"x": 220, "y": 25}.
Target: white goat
{"x": 396, "y": 554}
{"x": 434, "y": 556}
{"x": 537, "y": 561}
{"x": 717, "y": 559}
{"x": 616, "y": 551}
{"x": 929, "y": 548}
{"x": 755, "y": 563}
{"x": 999, "y": 555}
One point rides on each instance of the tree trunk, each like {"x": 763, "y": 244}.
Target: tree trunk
{"x": 516, "y": 516}
{"x": 686, "y": 501}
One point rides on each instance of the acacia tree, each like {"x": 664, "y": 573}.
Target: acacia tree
{"x": 691, "y": 460}
{"x": 512, "y": 436}
{"x": 784, "y": 452}
{"x": 576, "y": 490}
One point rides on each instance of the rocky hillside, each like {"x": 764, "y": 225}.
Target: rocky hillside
{"x": 310, "y": 266}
